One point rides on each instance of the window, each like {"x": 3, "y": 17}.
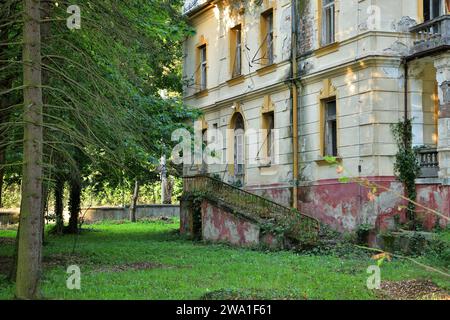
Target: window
{"x": 239, "y": 147}
{"x": 432, "y": 9}
{"x": 203, "y": 68}
{"x": 236, "y": 51}
{"x": 330, "y": 130}
{"x": 270, "y": 38}
{"x": 269, "y": 143}
{"x": 267, "y": 38}
{"x": 328, "y": 22}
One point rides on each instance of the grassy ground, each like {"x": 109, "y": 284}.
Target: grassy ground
{"x": 151, "y": 261}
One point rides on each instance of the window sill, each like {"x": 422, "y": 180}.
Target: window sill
{"x": 327, "y": 49}
{"x": 265, "y": 166}
{"x": 202, "y": 93}
{"x": 236, "y": 80}
{"x": 267, "y": 69}
{"x": 322, "y": 162}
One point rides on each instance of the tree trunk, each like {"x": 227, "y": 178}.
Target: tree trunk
{"x": 74, "y": 205}
{"x": 166, "y": 197}
{"x": 59, "y": 204}
{"x": 29, "y": 258}
{"x": 134, "y": 202}
{"x": 45, "y": 35}
{"x": 167, "y": 191}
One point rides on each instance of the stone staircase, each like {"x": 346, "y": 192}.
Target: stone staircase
{"x": 267, "y": 214}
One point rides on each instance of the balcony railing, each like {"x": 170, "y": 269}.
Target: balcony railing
{"x": 431, "y": 35}
{"x": 429, "y": 163}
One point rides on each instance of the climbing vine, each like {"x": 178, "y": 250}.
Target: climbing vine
{"x": 407, "y": 166}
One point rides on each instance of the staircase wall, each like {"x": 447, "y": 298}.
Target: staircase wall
{"x": 223, "y": 225}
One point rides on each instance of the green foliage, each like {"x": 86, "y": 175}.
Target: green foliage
{"x": 407, "y": 166}
{"x": 438, "y": 252}
{"x": 363, "y": 232}
{"x": 332, "y": 242}
{"x": 237, "y": 183}
{"x": 104, "y": 113}
{"x": 11, "y": 196}
{"x": 330, "y": 160}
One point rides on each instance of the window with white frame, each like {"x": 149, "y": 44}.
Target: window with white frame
{"x": 328, "y": 22}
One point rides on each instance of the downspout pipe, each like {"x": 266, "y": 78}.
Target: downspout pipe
{"x": 294, "y": 93}
{"x": 405, "y": 64}
{"x": 406, "y": 70}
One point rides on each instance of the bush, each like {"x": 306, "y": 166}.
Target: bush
{"x": 438, "y": 252}
{"x": 332, "y": 242}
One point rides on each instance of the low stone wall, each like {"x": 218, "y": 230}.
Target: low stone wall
{"x": 119, "y": 213}
{"x": 9, "y": 216}
{"x": 96, "y": 214}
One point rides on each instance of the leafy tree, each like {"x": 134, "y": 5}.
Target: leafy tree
{"x": 91, "y": 104}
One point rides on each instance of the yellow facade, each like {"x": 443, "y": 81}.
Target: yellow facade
{"x": 362, "y": 70}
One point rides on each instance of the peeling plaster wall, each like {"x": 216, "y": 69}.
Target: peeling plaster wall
{"x": 345, "y": 206}
{"x": 219, "y": 225}
{"x": 435, "y": 197}
{"x": 306, "y": 19}
{"x": 214, "y": 26}
{"x": 341, "y": 206}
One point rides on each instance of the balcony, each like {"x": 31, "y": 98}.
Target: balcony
{"x": 431, "y": 36}
{"x": 429, "y": 162}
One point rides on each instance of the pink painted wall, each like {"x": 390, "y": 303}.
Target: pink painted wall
{"x": 222, "y": 226}
{"x": 345, "y": 206}
{"x": 435, "y": 197}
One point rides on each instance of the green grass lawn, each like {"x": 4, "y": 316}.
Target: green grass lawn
{"x": 151, "y": 261}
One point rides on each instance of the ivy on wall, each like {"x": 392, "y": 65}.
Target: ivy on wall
{"x": 407, "y": 166}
